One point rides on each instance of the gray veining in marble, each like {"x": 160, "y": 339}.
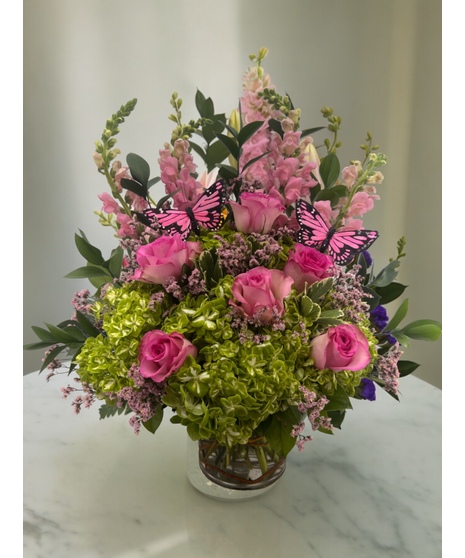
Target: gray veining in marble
{"x": 92, "y": 489}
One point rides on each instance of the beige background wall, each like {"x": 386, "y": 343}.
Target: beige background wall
{"x": 377, "y": 63}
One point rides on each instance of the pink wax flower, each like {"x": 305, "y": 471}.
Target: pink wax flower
{"x": 259, "y": 293}
{"x": 162, "y": 354}
{"x": 307, "y": 265}
{"x": 343, "y": 347}
{"x": 164, "y": 258}
{"x": 256, "y": 213}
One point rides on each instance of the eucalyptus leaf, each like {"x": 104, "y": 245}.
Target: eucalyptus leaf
{"x": 386, "y": 275}
{"x": 254, "y": 160}
{"x": 44, "y": 335}
{"x": 134, "y": 187}
{"x": 216, "y": 153}
{"x": 87, "y": 326}
{"x": 139, "y": 168}
{"x": 424, "y": 330}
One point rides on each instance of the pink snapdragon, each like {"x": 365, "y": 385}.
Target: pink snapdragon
{"x": 361, "y": 203}
{"x": 110, "y": 205}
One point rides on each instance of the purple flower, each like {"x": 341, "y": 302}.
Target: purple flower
{"x": 367, "y": 257}
{"x": 379, "y": 317}
{"x": 367, "y": 389}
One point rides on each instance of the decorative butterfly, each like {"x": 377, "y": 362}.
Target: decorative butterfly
{"x": 342, "y": 245}
{"x": 206, "y": 212}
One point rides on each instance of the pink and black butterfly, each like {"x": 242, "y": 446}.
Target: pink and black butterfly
{"x": 342, "y": 245}
{"x": 205, "y": 213}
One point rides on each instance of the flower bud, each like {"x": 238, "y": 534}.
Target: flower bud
{"x": 98, "y": 160}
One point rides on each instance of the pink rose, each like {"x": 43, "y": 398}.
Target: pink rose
{"x": 164, "y": 258}
{"x": 343, "y": 347}
{"x": 256, "y": 212}
{"x": 307, "y": 265}
{"x": 161, "y": 354}
{"x": 260, "y": 293}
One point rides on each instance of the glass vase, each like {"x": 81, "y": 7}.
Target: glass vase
{"x": 237, "y": 473}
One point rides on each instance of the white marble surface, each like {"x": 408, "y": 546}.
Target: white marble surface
{"x": 92, "y": 489}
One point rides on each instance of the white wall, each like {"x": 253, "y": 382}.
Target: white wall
{"x": 377, "y": 63}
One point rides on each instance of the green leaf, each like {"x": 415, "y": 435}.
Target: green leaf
{"x": 424, "y": 330}
{"x": 401, "y": 338}
{"x": 336, "y": 418}
{"x": 204, "y": 106}
{"x": 275, "y": 126}
{"x": 254, "y": 160}
{"x": 320, "y": 288}
{"x": 386, "y": 275}
{"x": 106, "y": 411}
{"x": 52, "y": 355}
{"x": 63, "y": 336}
{"x": 216, "y": 153}
{"x": 134, "y": 187}
{"x": 278, "y": 432}
{"x": 44, "y": 335}
{"x": 139, "y": 169}
{"x": 339, "y": 400}
{"x": 152, "y": 424}
{"x": 330, "y": 169}
{"x": 87, "y": 326}
{"x": 373, "y": 298}
{"x": 89, "y": 271}
{"x": 309, "y": 131}
{"x": 36, "y": 346}
{"x": 227, "y": 172}
{"x": 398, "y": 316}
{"x": 230, "y": 145}
{"x": 248, "y": 131}
{"x": 232, "y": 130}
{"x": 153, "y": 181}
{"x": 115, "y": 262}
{"x": 332, "y": 194}
{"x": 90, "y": 253}
{"x": 390, "y": 292}
{"x": 198, "y": 150}
{"x": 406, "y": 367}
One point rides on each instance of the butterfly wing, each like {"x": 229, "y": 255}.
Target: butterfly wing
{"x": 170, "y": 220}
{"x": 207, "y": 210}
{"x": 313, "y": 229}
{"x": 344, "y": 245}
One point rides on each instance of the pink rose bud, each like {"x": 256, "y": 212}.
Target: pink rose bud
{"x": 343, "y": 347}
{"x": 259, "y": 293}
{"x": 256, "y": 213}
{"x": 307, "y": 265}
{"x": 162, "y": 354}
{"x": 164, "y": 258}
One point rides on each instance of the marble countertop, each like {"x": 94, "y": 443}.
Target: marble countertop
{"x": 92, "y": 489}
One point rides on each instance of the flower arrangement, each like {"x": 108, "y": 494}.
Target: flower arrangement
{"x": 245, "y": 301}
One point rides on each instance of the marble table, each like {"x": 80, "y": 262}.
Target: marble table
{"x": 92, "y": 489}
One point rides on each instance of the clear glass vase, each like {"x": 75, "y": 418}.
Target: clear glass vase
{"x": 238, "y": 473}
